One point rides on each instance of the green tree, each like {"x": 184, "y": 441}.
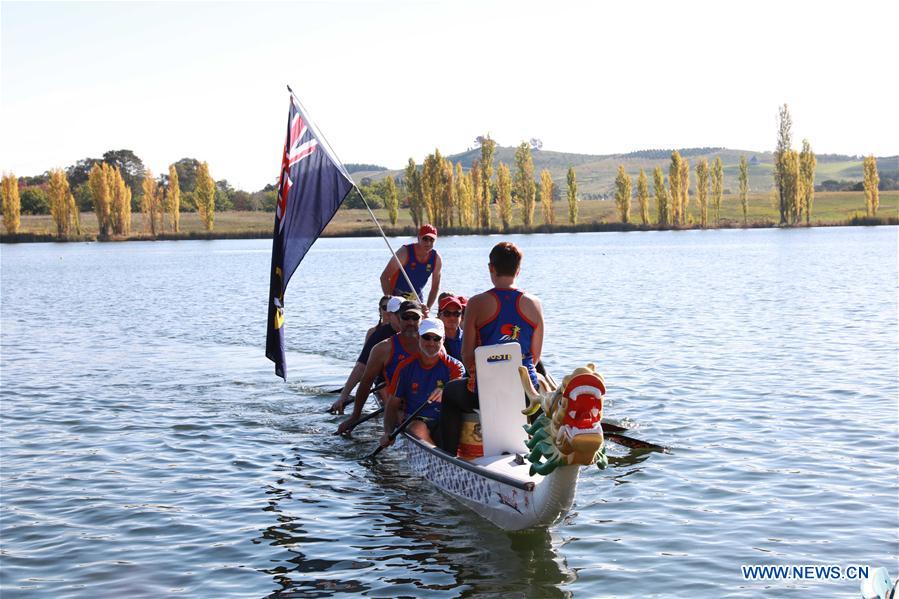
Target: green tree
{"x": 205, "y": 196}
{"x": 744, "y": 189}
{"x": 432, "y": 186}
{"x": 702, "y": 191}
{"x": 34, "y": 200}
{"x": 504, "y": 194}
{"x": 643, "y": 196}
{"x": 412, "y": 183}
{"x": 791, "y": 185}
{"x": 684, "y": 196}
{"x": 623, "y": 194}
{"x": 572, "y": 196}
{"x": 807, "y": 165}
{"x": 546, "y": 196}
{"x": 674, "y": 188}
{"x": 393, "y": 205}
{"x": 784, "y": 143}
{"x": 187, "y": 173}
{"x": 173, "y": 198}
{"x": 717, "y": 187}
{"x": 12, "y": 205}
{"x": 477, "y": 188}
{"x": 488, "y": 149}
{"x": 525, "y": 186}
{"x": 131, "y": 168}
{"x": 871, "y": 182}
{"x": 662, "y": 204}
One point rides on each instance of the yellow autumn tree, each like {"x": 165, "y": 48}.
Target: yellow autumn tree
{"x": 101, "y": 194}
{"x": 572, "y": 196}
{"x": 717, "y": 186}
{"x": 871, "y": 181}
{"x": 662, "y": 204}
{"x": 643, "y": 196}
{"x": 173, "y": 198}
{"x": 674, "y": 188}
{"x": 525, "y": 187}
{"x": 623, "y": 194}
{"x": 488, "y": 150}
{"x": 12, "y": 205}
{"x": 151, "y": 204}
{"x": 684, "y": 181}
{"x": 546, "y": 196}
{"x": 702, "y": 191}
{"x": 504, "y": 194}
{"x": 807, "y": 165}
{"x": 205, "y": 194}
{"x": 744, "y": 189}
{"x": 462, "y": 183}
{"x": 61, "y": 206}
{"x": 477, "y": 188}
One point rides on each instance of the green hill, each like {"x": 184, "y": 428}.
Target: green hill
{"x": 596, "y": 173}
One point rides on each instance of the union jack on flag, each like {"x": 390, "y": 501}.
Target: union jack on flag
{"x": 311, "y": 187}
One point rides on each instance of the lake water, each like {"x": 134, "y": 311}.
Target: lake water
{"x": 149, "y": 450}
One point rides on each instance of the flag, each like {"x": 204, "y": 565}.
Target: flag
{"x": 311, "y": 188}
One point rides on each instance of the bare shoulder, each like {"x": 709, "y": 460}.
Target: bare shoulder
{"x": 531, "y": 307}
{"x": 380, "y": 352}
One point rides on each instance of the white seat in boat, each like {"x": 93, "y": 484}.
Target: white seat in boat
{"x": 501, "y": 397}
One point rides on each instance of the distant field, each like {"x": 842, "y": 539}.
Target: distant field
{"x": 829, "y": 208}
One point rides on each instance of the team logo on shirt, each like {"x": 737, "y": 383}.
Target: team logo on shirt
{"x": 414, "y": 387}
{"x": 510, "y": 332}
{"x": 428, "y": 267}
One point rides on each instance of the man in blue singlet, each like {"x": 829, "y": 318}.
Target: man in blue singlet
{"x": 450, "y": 312}
{"x": 385, "y": 357}
{"x": 421, "y": 262}
{"x": 421, "y": 379}
{"x": 500, "y": 315}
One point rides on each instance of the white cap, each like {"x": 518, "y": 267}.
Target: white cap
{"x": 394, "y": 303}
{"x": 433, "y": 326}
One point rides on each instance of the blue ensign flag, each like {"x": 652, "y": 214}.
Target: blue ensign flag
{"x": 312, "y": 185}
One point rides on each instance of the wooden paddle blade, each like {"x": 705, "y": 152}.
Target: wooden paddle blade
{"x": 635, "y": 443}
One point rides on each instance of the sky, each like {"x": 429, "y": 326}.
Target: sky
{"x": 386, "y": 81}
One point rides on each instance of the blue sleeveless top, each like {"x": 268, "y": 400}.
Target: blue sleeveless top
{"x": 454, "y": 346}
{"x": 414, "y": 382}
{"x": 509, "y": 324}
{"x": 419, "y": 273}
{"x": 397, "y": 355}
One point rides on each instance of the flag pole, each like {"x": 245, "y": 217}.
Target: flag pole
{"x": 364, "y": 201}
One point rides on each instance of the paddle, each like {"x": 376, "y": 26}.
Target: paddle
{"x": 365, "y": 418}
{"x": 397, "y": 431}
{"x": 377, "y": 387}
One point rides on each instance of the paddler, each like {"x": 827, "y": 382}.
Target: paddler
{"x": 500, "y": 315}
{"x": 420, "y": 261}
{"x": 421, "y": 379}
{"x": 386, "y": 356}
{"x": 450, "y": 312}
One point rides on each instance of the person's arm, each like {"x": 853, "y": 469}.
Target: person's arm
{"x": 376, "y": 362}
{"x": 470, "y": 331}
{"x": 355, "y": 377}
{"x": 392, "y": 410}
{"x": 390, "y": 270}
{"x": 435, "y": 281}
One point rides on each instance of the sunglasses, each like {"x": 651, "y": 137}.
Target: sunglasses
{"x": 451, "y": 313}
{"x": 430, "y": 337}
{"x": 411, "y": 317}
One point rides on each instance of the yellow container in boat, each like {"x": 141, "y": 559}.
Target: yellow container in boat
{"x": 471, "y": 444}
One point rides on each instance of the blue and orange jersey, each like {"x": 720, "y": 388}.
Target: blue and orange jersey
{"x": 397, "y": 355}
{"x": 508, "y": 324}
{"x": 419, "y": 273}
{"x": 454, "y": 346}
{"x": 414, "y": 382}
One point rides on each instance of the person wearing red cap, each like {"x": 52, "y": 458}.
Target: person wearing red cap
{"x": 420, "y": 261}
{"x": 450, "y": 312}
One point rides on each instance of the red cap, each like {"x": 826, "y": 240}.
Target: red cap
{"x": 428, "y": 230}
{"x": 450, "y": 300}
{"x": 463, "y": 300}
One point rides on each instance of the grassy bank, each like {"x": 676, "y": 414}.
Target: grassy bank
{"x": 832, "y": 208}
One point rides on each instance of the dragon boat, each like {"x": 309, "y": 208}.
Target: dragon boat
{"x": 527, "y": 476}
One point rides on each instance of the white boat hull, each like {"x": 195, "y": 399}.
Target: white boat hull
{"x": 498, "y": 488}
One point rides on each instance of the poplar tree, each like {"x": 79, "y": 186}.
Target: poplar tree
{"x": 448, "y": 193}
{"x": 872, "y": 180}
{"x": 463, "y": 195}
{"x": 60, "y": 204}
{"x": 101, "y": 194}
{"x": 173, "y": 198}
{"x": 12, "y": 205}
{"x": 205, "y": 193}
{"x": 392, "y": 201}
{"x": 546, "y": 196}
{"x": 807, "y": 165}
{"x": 477, "y": 188}
{"x": 784, "y": 143}
{"x": 702, "y": 191}
{"x": 674, "y": 188}
{"x": 572, "y": 196}
{"x": 791, "y": 185}
{"x": 744, "y": 189}
{"x": 643, "y": 196}
{"x": 662, "y": 204}
{"x": 504, "y": 194}
{"x": 717, "y": 187}
{"x": 623, "y": 194}
{"x": 525, "y": 187}
{"x": 150, "y": 204}
{"x": 684, "y": 181}
{"x": 412, "y": 183}
{"x": 432, "y": 187}
{"x": 488, "y": 149}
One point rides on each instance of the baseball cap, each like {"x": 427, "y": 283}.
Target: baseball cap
{"x": 394, "y": 303}
{"x": 433, "y": 326}
{"x": 463, "y": 301}
{"x": 411, "y": 306}
{"x": 450, "y": 300}
{"x": 428, "y": 230}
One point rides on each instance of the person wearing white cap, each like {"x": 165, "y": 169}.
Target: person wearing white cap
{"x": 420, "y": 379}
{"x": 388, "y": 308}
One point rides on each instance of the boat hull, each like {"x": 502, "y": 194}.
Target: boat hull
{"x": 498, "y": 488}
